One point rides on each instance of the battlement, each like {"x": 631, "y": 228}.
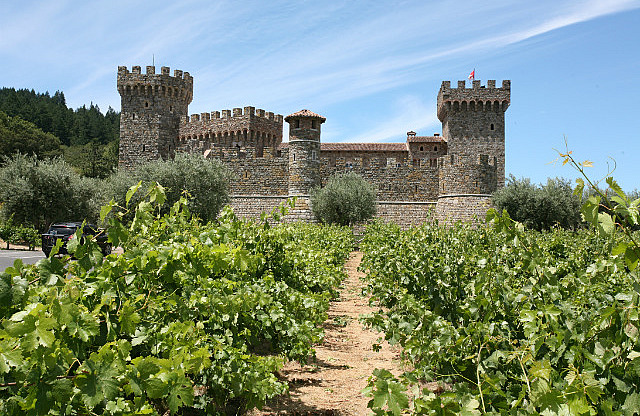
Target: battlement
{"x": 134, "y": 82}
{"x": 151, "y": 70}
{"x": 248, "y": 113}
{"x": 476, "y": 98}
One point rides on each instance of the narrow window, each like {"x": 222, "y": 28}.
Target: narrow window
{"x": 294, "y": 157}
{"x": 146, "y": 104}
{"x": 491, "y": 126}
{"x": 297, "y": 124}
{"x": 314, "y": 155}
{"x": 144, "y": 148}
{"x": 421, "y": 148}
{"x": 435, "y": 148}
{"x": 313, "y": 124}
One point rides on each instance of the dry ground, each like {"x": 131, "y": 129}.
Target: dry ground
{"x": 332, "y": 383}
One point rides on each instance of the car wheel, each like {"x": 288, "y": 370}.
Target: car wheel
{"x": 106, "y": 250}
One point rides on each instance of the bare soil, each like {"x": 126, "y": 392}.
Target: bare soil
{"x": 332, "y": 383}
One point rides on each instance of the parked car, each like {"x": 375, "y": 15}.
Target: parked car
{"x": 65, "y": 231}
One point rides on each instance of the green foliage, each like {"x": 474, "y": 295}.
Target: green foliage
{"x": 12, "y": 233}
{"x": 39, "y": 192}
{"x": 93, "y": 159}
{"x": 513, "y": 321}
{"x": 51, "y": 115}
{"x": 345, "y": 200}
{"x": 205, "y": 181}
{"x": 539, "y": 207}
{"x": 192, "y": 319}
{"x": 20, "y": 136}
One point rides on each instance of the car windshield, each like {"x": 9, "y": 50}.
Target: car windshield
{"x": 61, "y": 230}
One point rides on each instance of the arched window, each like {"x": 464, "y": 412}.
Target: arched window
{"x": 492, "y": 127}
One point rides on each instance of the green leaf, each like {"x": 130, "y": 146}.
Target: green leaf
{"x": 132, "y": 191}
{"x": 106, "y": 209}
{"x": 616, "y": 188}
{"x": 605, "y": 223}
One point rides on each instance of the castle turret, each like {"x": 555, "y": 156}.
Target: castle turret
{"x": 304, "y": 151}
{"x": 465, "y": 187}
{"x": 151, "y": 108}
{"x": 473, "y": 120}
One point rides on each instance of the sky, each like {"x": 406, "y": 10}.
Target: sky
{"x": 372, "y": 68}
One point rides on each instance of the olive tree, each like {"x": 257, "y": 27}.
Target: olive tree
{"x": 346, "y": 199}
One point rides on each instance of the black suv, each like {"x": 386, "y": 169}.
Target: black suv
{"x": 65, "y": 232}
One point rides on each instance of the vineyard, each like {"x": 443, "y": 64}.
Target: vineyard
{"x": 506, "y": 320}
{"x": 191, "y": 319}
{"x": 199, "y": 318}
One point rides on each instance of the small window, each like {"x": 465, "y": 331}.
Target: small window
{"x": 314, "y": 155}
{"x": 146, "y": 104}
{"x": 435, "y": 148}
{"x": 144, "y": 148}
{"x": 297, "y": 124}
{"x": 491, "y": 126}
{"x": 421, "y": 148}
{"x": 171, "y": 108}
{"x": 313, "y": 124}
{"x": 294, "y": 157}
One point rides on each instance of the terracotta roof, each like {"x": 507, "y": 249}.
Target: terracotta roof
{"x": 364, "y": 147}
{"x": 305, "y": 113}
{"x": 357, "y": 147}
{"x": 425, "y": 139}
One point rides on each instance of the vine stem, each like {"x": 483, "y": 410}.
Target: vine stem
{"x": 526, "y": 377}
{"x": 478, "y": 379}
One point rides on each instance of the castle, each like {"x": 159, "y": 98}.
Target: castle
{"x": 449, "y": 177}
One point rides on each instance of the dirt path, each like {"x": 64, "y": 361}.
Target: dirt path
{"x": 331, "y": 384}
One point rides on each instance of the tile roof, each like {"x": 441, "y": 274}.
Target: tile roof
{"x": 425, "y": 139}
{"x": 364, "y": 147}
{"x": 305, "y": 113}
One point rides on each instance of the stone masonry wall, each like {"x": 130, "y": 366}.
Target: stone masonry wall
{"x": 405, "y": 213}
{"x": 394, "y": 181}
{"x": 255, "y": 175}
{"x": 464, "y": 208}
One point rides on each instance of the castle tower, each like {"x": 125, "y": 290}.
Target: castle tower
{"x": 304, "y": 151}
{"x": 473, "y": 120}
{"x": 465, "y": 187}
{"x": 152, "y": 106}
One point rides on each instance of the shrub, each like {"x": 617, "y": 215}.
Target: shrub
{"x": 345, "y": 200}
{"x": 206, "y": 181}
{"x": 540, "y": 207}
{"x": 41, "y": 192}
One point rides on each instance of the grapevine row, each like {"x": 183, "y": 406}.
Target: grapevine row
{"x": 191, "y": 319}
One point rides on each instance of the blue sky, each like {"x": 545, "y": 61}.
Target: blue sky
{"x": 373, "y": 69}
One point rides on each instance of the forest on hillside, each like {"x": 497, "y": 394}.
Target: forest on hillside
{"x": 42, "y": 124}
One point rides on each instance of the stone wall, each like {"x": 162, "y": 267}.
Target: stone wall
{"x": 252, "y": 206}
{"x": 405, "y": 213}
{"x": 461, "y": 207}
{"x": 267, "y": 175}
{"x": 393, "y": 180}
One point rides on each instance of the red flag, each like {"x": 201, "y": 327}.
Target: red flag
{"x": 472, "y": 75}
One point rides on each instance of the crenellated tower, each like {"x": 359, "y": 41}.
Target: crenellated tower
{"x": 152, "y": 106}
{"x": 473, "y": 120}
{"x": 304, "y": 151}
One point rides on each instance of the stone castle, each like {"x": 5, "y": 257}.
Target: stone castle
{"x": 449, "y": 177}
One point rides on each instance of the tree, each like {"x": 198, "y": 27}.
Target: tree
{"x": 20, "y": 136}
{"x": 345, "y": 200}
{"x": 205, "y": 180}
{"x": 41, "y": 192}
{"x": 540, "y": 207}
